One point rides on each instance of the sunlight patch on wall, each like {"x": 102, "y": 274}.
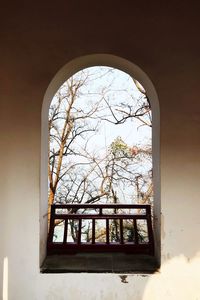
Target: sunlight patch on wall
{"x": 179, "y": 278}
{"x": 5, "y": 278}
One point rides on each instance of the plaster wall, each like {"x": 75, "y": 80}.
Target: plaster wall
{"x": 37, "y": 39}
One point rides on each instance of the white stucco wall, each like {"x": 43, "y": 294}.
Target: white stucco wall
{"x": 37, "y": 41}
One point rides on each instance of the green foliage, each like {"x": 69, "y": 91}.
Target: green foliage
{"x": 119, "y": 148}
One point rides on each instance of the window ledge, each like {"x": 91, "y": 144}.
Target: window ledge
{"x": 100, "y": 263}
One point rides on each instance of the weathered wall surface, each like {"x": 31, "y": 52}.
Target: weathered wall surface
{"x": 37, "y": 39}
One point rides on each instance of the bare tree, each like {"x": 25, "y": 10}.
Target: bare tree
{"x": 79, "y": 174}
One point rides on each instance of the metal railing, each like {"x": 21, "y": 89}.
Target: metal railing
{"x": 128, "y": 228}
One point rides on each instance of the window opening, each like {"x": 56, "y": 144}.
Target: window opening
{"x": 100, "y": 190}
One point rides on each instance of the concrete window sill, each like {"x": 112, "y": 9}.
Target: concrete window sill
{"x": 99, "y": 263}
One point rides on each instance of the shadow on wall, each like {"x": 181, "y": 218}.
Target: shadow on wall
{"x": 178, "y": 279}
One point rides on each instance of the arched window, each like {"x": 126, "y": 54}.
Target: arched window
{"x": 99, "y": 158}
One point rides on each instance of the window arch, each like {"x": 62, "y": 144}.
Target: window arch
{"x": 66, "y": 72}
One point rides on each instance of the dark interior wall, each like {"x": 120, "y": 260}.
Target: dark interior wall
{"x": 39, "y": 37}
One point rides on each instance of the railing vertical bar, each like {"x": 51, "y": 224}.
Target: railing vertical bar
{"x": 93, "y": 231}
{"x": 107, "y": 231}
{"x": 79, "y": 231}
{"x": 150, "y": 230}
{"x": 121, "y": 231}
{"x": 65, "y": 231}
{"x": 52, "y": 224}
{"x": 135, "y": 231}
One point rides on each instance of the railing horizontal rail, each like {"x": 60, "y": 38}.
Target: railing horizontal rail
{"x": 96, "y": 216}
{"x": 117, "y": 205}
